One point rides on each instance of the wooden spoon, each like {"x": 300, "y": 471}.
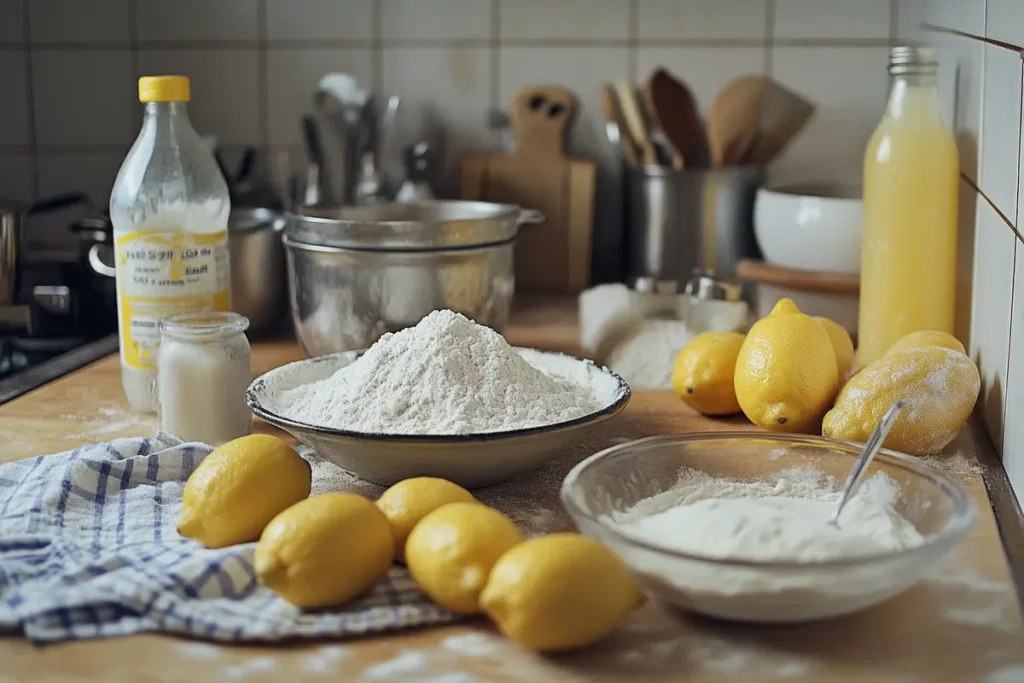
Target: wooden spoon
{"x": 674, "y": 109}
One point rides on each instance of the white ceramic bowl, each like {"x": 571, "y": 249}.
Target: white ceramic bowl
{"x": 810, "y": 227}
{"x": 471, "y": 460}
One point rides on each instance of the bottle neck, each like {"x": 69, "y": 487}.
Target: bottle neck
{"x": 913, "y": 94}
{"x": 167, "y": 118}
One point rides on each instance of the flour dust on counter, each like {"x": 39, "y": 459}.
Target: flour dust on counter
{"x": 957, "y": 465}
{"x": 972, "y": 600}
{"x": 325, "y": 659}
{"x": 644, "y": 357}
{"x": 447, "y": 375}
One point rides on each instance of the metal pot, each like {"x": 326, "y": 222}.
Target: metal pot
{"x": 355, "y": 273}
{"x": 95, "y": 277}
{"x": 11, "y": 216}
{"x": 257, "y": 268}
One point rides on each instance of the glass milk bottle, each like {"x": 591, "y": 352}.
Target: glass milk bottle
{"x": 911, "y": 174}
{"x": 169, "y": 209}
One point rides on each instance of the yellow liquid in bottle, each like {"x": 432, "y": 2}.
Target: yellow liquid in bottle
{"x": 908, "y": 261}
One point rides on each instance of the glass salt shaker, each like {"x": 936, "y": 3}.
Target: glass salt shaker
{"x": 203, "y": 371}
{"x": 713, "y": 304}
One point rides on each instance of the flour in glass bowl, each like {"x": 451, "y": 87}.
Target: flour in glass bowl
{"x": 782, "y": 521}
{"x": 448, "y": 375}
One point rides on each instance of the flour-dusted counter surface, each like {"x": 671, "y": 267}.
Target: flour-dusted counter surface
{"x": 962, "y": 624}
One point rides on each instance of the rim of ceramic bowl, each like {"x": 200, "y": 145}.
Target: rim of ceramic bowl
{"x": 257, "y": 387}
{"x": 829, "y": 192}
{"x": 960, "y": 519}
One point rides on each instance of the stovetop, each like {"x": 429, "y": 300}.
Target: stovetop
{"x": 26, "y": 364}
{"x": 54, "y": 314}
{"x": 19, "y": 353}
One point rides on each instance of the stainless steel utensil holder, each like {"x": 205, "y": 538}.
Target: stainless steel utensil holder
{"x": 677, "y": 221}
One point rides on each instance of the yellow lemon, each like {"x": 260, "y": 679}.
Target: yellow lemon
{"x": 409, "y": 501}
{"x": 926, "y": 338}
{"x": 703, "y": 373}
{"x": 939, "y": 386}
{"x": 842, "y": 345}
{"x": 239, "y": 487}
{"x": 786, "y": 372}
{"x": 325, "y": 550}
{"x": 451, "y": 551}
{"x": 559, "y": 592}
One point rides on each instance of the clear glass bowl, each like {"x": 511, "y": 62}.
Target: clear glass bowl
{"x": 610, "y": 482}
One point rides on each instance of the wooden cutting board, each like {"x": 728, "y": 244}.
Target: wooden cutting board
{"x": 552, "y": 256}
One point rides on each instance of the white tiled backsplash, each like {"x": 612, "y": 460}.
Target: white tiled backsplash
{"x": 71, "y": 67}
{"x": 68, "y": 70}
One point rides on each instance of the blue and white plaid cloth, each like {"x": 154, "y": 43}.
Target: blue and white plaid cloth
{"x": 88, "y": 549}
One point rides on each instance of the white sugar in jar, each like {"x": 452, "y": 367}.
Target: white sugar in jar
{"x": 203, "y": 370}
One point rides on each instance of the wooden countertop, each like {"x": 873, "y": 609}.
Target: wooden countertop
{"x": 962, "y": 624}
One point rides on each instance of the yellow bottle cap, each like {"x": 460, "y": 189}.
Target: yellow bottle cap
{"x": 164, "y": 89}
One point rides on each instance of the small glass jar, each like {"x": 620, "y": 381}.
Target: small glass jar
{"x": 713, "y": 304}
{"x": 203, "y": 370}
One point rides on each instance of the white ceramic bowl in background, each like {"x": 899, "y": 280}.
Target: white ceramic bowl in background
{"x": 810, "y": 227}
{"x": 470, "y": 460}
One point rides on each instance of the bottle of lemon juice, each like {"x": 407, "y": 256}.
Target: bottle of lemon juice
{"x": 911, "y": 178}
{"x": 169, "y": 208}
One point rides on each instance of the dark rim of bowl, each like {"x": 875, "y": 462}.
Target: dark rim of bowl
{"x": 955, "y": 527}
{"x": 623, "y": 394}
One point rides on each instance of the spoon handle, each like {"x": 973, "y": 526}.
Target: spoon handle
{"x": 871, "y": 448}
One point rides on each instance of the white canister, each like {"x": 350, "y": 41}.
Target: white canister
{"x": 203, "y": 370}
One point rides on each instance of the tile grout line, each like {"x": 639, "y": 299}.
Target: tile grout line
{"x": 894, "y": 21}
{"x": 377, "y": 45}
{"x": 769, "y": 37}
{"x": 972, "y": 36}
{"x": 1002, "y": 216}
{"x": 134, "y": 65}
{"x": 494, "y": 55}
{"x": 262, "y": 83}
{"x": 1013, "y": 267}
{"x": 632, "y": 54}
{"x": 399, "y": 43}
{"x": 33, "y": 133}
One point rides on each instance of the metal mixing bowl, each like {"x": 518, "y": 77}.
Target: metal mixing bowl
{"x": 357, "y": 272}
{"x": 605, "y": 487}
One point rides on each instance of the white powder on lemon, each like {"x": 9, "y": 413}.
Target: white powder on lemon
{"x": 447, "y": 375}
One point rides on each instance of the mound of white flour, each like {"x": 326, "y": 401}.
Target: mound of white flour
{"x": 446, "y": 375}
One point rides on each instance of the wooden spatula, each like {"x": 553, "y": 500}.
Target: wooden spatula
{"x": 635, "y": 122}
{"x": 673, "y": 107}
{"x": 782, "y": 115}
{"x": 613, "y": 115}
{"x": 733, "y": 121}
{"x": 752, "y": 119}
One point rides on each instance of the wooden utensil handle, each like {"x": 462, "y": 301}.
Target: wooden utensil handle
{"x": 540, "y": 116}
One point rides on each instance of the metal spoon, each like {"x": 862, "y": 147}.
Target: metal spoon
{"x": 871, "y": 448}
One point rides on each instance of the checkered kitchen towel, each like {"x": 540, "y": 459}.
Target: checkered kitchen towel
{"x": 88, "y": 549}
